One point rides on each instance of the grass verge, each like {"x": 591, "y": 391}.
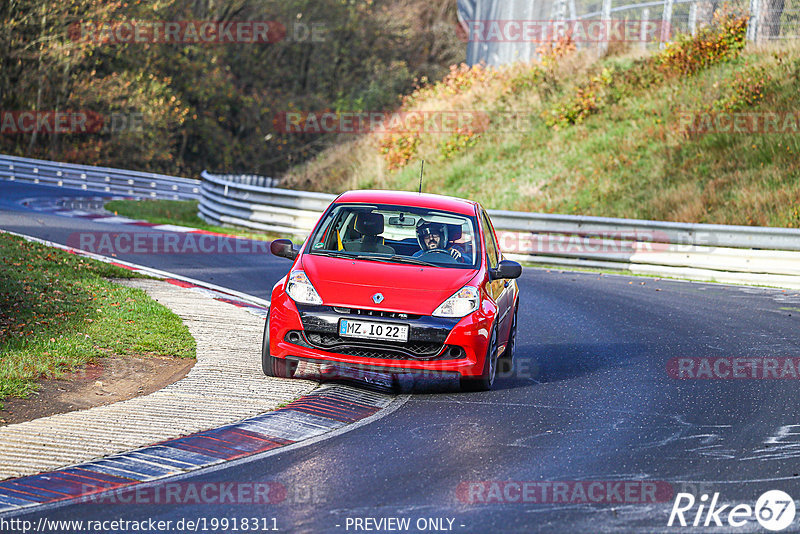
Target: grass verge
{"x": 59, "y": 311}
{"x": 179, "y": 212}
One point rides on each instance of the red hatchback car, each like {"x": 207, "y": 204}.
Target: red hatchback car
{"x": 396, "y": 282}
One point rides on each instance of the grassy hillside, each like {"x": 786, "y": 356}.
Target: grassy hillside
{"x": 609, "y": 137}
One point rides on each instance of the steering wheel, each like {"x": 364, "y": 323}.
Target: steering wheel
{"x": 450, "y": 258}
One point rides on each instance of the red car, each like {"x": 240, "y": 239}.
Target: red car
{"x": 396, "y": 282}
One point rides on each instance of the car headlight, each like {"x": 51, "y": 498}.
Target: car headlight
{"x": 300, "y": 289}
{"x": 464, "y": 302}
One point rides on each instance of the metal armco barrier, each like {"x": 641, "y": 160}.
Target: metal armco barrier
{"x": 89, "y": 178}
{"x": 733, "y": 254}
{"x": 236, "y": 201}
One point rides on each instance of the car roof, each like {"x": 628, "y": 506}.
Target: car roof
{"x": 410, "y": 199}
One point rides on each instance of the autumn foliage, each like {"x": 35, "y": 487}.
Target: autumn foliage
{"x": 211, "y": 105}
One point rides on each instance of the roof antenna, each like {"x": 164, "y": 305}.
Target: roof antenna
{"x": 421, "y": 170}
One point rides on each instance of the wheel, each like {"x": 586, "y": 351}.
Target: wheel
{"x": 485, "y": 381}
{"x": 277, "y": 367}
{"x": 506, "y": 361}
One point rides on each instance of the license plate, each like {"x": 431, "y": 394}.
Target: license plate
{"x": 369, "y": 330}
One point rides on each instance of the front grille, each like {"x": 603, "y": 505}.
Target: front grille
{"x": 364, "y": 352}
{"x": 375, "y": 313}
{"x": 413, "y": 350}
{"x": 418, "y": 348}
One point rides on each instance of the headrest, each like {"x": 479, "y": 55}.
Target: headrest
{"x": 454, "y": 232}
{"x": 369, "y": 224}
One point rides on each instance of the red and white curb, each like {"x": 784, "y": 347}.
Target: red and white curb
{"x": 328, "y": 411}
{"x": 324, "y": 411}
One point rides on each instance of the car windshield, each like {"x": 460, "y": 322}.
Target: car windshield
{"x": 397, "y": 234}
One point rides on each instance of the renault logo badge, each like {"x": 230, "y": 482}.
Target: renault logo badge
{"x": 377, "y": 298}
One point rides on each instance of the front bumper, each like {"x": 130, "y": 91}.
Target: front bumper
{"x": 439, "y": 345}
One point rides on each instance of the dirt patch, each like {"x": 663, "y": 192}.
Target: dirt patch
{"x": 107, "y": 381}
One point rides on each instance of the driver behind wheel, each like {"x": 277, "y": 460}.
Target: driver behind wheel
{"x": 433, "y": 236}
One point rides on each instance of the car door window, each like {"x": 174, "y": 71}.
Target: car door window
{"x": 491, "y": 245}
{"x": 392, "y": 234}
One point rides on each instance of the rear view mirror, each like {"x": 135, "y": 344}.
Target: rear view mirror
{"x": 283, "y": 248}
{"x": 404, "y": 221}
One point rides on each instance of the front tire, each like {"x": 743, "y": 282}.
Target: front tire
{"x": 506, "y": 361}
{"x": 485, "y": 381}
{"x": 272, "y": 366}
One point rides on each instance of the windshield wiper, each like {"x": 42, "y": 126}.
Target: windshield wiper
{"x": 393, "y": 259}
{"x": 407, "y": 259}
{"x": 334, "y": 254}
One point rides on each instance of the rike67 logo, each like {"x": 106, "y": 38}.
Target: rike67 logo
{"x": 774, "y": 510}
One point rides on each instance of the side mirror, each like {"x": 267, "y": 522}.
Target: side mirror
{"x": 283, "y": 248}
{"x": 506, "y": 269}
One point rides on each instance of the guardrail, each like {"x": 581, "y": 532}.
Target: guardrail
{"x": 733, "y": 254}
{"x": 240, "y": 201}
{"x": 102, "y": 179}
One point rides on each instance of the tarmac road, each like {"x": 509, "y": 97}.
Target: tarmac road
{"x": 590, "y": 400}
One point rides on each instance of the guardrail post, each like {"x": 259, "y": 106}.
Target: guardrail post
{"x": 606, "y": 16}
{"x": 755, "y": 17}
{"x": 666, "y": 24}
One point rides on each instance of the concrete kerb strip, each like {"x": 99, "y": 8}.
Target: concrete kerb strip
{"x": 225, "y": 385}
